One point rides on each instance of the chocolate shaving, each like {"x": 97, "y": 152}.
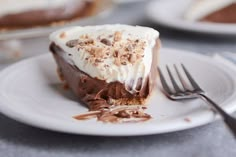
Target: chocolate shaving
{"x": 123, "y": 114}
{"x": 117, "y": 36}
{"x": 72, "y": 43}
{"x": 89, "y": 41}
{"x": 117, "y": 62}
{"x": 132, "y": 58}
{"x": 89, "y": 115}
{"x": 187, "y": 119}
{"x": 117, "y": 114}
{"x": 98, "y": 60}
{"x": 106, "y": 42}
{"x": 123, "y": 63}
{"x": 115, "y": 53}
{"x": 63, "y": 35}
{"x": 129, "y": 48}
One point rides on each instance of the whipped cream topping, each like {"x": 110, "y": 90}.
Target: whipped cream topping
{"x": 16, "y": 6}
{"x": 202, "y": 8}
{"x": 109, "y": 52}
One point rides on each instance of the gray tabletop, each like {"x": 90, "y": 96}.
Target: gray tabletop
{"x": 212, "y": 140}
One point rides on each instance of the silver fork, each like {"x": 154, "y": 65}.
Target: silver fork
{"x": 178, "y": 93}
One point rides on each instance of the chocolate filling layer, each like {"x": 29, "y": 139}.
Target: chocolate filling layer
{"x": 98, "y": 94}
{"x": 225, "y": 15}
{"x": 44, "y": 17}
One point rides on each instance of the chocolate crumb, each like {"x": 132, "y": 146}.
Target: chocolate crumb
{"x": 63, "y": 35}
{"x": 81, "y": 44}
{"x": 123, "y": 63}
{"x": 115, "y": 53}
{"x": 106, "y": 66}
{"x": 99, "y": 52}
{"x": 117, "y": 62}
{"x": 187, "y": 120}
{"x": 129, "y": 48}
{"x": 72, "y": 43}
{"x": 132, "y": 59}
{"x": 106, "y": 42}
{"x": 89, "y": 41}
{"x": 117, "y": 36}
{"x": 123, "y": 114}
{"x": 98, "y": 60}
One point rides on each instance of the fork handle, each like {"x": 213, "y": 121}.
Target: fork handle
{"x": 229, "y": 120}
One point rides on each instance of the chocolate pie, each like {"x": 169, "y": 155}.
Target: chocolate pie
{"x": 219, "y": 11}
{"x": 30, "y": 13}
{"x": 107, "y": 65}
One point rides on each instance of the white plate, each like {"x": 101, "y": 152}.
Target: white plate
{"x": 169, "y": 13}
{"x": 30, "y": 92}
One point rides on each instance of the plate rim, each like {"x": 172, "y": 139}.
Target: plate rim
{"x": 230, "y": 107}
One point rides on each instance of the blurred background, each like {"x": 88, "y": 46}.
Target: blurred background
{"x": 21, "y": 38}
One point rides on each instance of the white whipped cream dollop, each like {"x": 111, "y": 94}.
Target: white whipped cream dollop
{"x": 121, "y": 73}
{"x": 19, "y": 6}
{"x": 202, "y": 8}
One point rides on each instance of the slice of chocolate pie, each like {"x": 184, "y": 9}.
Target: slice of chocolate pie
{"x": 219, "y": 11}
{"x": 108, "y": 64}
{"x": 30, "y": 13}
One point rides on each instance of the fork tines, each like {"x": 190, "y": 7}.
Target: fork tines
{"x": 181, "y": 80}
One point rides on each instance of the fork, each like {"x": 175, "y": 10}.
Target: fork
{"x": 184, "y": 92}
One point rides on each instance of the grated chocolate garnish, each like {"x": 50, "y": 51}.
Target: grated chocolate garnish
{"x": 117, "y": 114}
{"x": 123, "y": 51}
{"x": 72, "y": 43}
{"x": 187, "y": 119}
{"x": 106, "y": 42}
{"x": 63, "y": 35}
{"x": 117, "y": 36}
